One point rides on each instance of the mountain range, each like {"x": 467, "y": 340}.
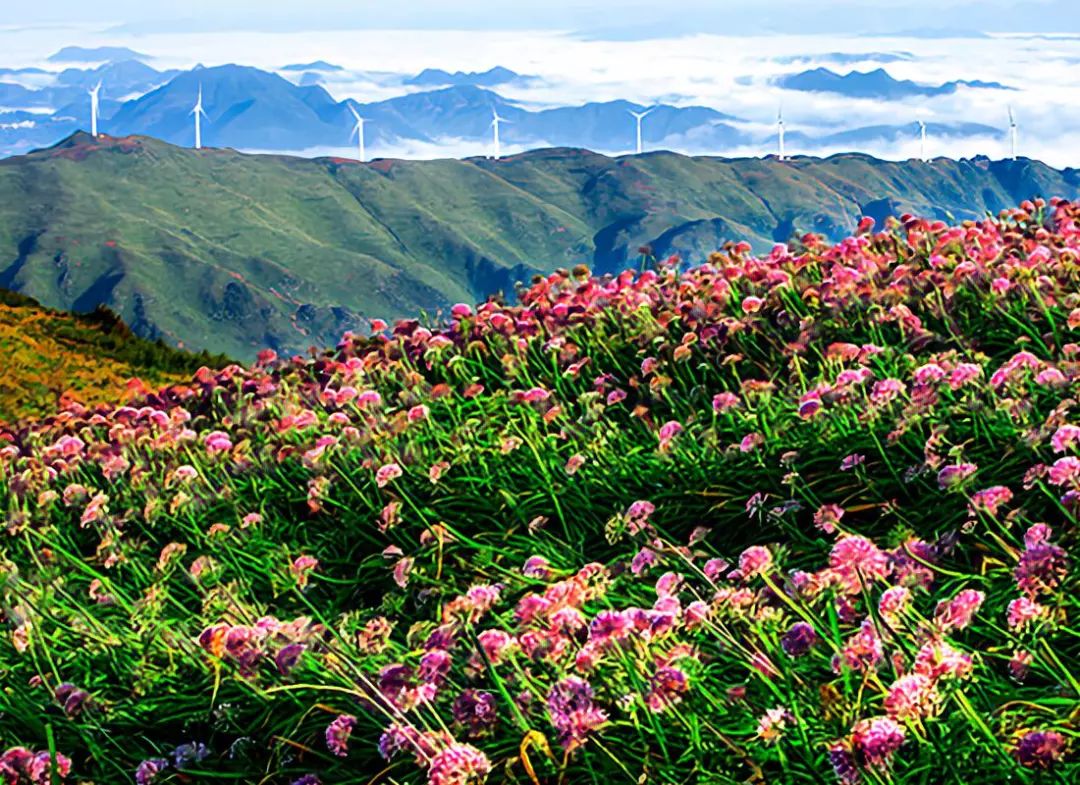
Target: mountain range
{"x": 874, "y": 84}
{"x": 219, "y": 250}
{"x": 256, "y": 110}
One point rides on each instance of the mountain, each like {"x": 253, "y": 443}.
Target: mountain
{"x": 51, "y": 356}
{"x": 100, "y": 54}
{"x": 235, "y": 253}
{"x": 245, "y": 107}
{"x": 873, "y": 84}
{"x": 846, "y": 58}
{"x": 318, "y": 65}
{"x": 493, "y": 77}
{"x": 119, "y": 78}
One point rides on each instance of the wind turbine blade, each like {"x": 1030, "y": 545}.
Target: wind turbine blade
{"x": 355, "y": 113}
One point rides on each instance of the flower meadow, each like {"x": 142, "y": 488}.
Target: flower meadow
{"x": 803, "y": 517}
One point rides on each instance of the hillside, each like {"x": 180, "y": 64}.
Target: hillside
{"x": 51, "y": 357}
{"x": 800, "y": 517}
{"x": 235, "y": 253}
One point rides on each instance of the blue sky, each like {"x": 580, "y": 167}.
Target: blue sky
{"x": 624, "y": 18}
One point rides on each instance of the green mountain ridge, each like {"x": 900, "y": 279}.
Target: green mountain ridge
{"x": 233, "y": 253}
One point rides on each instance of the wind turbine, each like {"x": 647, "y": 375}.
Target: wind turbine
{"x": 780, "y": 131}
{"x": 495, "y": 120}
{"x": 358, "y": 131}
{"x": 922, "y": 140}
{"x": 199, "y": 114}
{"x": 1012, "y": 133}
{"x": 94, "y": 107}
{"x": 639, "y": 116}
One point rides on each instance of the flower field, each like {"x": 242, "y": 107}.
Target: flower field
{"x": 800, "y": 518}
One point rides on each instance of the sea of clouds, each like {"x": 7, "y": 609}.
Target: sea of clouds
{"x": 732, "y": 74}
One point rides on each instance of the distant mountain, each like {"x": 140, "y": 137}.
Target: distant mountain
{"x": 436, "y": 77}
{"x": 246, "y": 107}
{"x": 872, "y": 84}
{"x": 100, "y": 54}
{"x": 847, "y": 58}
{"x": 23, "y": 71}
{"x": 235, "y": 253}
{"x": 318, "y": 65}
{"x": 895, "y": 133}
{"x": 118, "y": 79}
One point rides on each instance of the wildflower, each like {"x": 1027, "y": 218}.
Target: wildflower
{"x": 387, "y": 474}
{"x": 799, "y": 639}
{"x": 913, "y": 696}
{"x": 301, "y": 569}
{"x": 1040, "y": 749}
{"x": 1023, "y": 611}
{"x": 990, "y": 499}
{"x": 851, "y": 461}
{"x": 751, "y": 442}
{"x": 609, "y": 626}
{"x": 862, "y": 651}
{"x": 877, "y": 739}
{"x": 574, "y": 463}
{"x": 843, "y": 764}
{"x": 338, "y": 733}
{"x": 537, "y": 567}
{"x": 937, "y": 660}
{"x": 724, "y": 401}
{"x": 148, "y": 771}
{"x": 773, "y": 723}
{"x": 893, "y": 601}
{"x": 755, "y": 560}
{"x": 217, "y": 442}
{"x": 1065, "y": 471}
{"x": 1065, "y": 438}
{"x": 828, "y": 517}
{"x": 666, "y": 688}
{"x": 459, "y": 764}
{"x": 1042, "y": 566}
{"x": 751, "y": 304}
{"x": 1020, "y": 664}
{"x": 570, "y": 706}
{"x": 855, "y": 559}
{"x": 958, "y": 612}
{"x": 952, "y": 476}
{"x": 191, "y": 753}
{"x": 668, "y": 432}
{"x": 476, "y": 710}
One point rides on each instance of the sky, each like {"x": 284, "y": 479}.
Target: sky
{"x": 719, "y": 54}
{"x": 618, "y": 19}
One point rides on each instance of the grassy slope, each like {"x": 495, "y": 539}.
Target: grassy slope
{"x": 232, "y": 252}
{"x": 50, "y": 355}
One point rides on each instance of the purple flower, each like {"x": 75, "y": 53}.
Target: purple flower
{"x": 1040, "y": 749}
{"x": 476, "y": 710}
{"x": 338, "y": 733}
{"x": 459, "y": 764}
{"x": 148, "y": 771}
{"x": 799, "y": 639}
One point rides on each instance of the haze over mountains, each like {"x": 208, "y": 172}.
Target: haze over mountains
{"x": 230, "y": 252}
{"x": 299, "y": 108}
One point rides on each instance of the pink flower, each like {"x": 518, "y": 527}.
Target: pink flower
{"x": 952, "y": 476}
{"x": 1023, "y": 611}
{"x": 913, "y": 697}
{"x": 990, "y": 499}
{"x": 302, "y": 567}
{"x": 1065, "y": 471}
{"x": 877, "y": 739}
{"x": 958, "y": 612}
{"x": 724, "y": 401}
{"x": 575, "y": 463}
{"x": 827, "y": 517}
{"x": 1065, "y": 438}
{"x": 217, "y": 442}
{"x": 751, "y": 442}
{"x": 1040, "y": 749}
{"x": 755, "y": 560}
{"x": 666, "y": 688}
{"x": 387, "y": 474}
{"x": 851, "y": 461}
{"x": 459, "y": 764}
{"x": 856, "y": 559}
{"x": 773, "y": 723}
{"x": 751, "y": 304}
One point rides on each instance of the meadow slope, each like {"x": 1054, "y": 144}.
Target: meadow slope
{"x": 234, "y": 253}
{"x": 797, "y": 517}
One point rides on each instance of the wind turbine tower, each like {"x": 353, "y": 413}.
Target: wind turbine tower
{"x": 358, "y": 131}
{"x": 1013, "y": 133}
{"x": 495, "y": 120}
{"x": 639, "y": 116}
{"x": 199, "y": 114}
{"x": 780, "y": 132}
{"x": 922, "y": 140}
{"x": 94, "y": 107}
